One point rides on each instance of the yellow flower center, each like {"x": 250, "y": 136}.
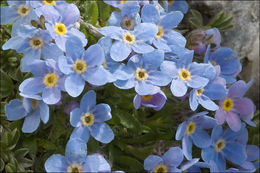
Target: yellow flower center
{"x": 147, "y": 97}
{"x": 227, "y": 105}
{"x": 199, "y": 92}
{"x": 50, "y": 79}
{"x": 141, "y": 74}
{"x": 48, "y": 2}
{"x": 74, "y": 168}
{"x": 129, "y": 38}
{"x": 36, "y": 43}
{"x": 128, "y": 23}
{"x": 160, "y": 32}
{"x": 161, "y": 168}
{"x": 220, "y": 145}
{"x": 184, "y": 74}
{"x": 34, "y": 104}
{"x": 23, "y": 10}
{"x": 213, "y": 63}
{"x": 79, "y": 66}
{"x": 87, "y": 119}
{"x": 122, "y": 1}
{"x": 170, "y": 2}
{"x": 190, "y": 128}
{"x": 60, "y": 29}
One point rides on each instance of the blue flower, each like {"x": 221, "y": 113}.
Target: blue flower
{"x": 33, "y": 43}
{"x": 192, "y": 131}
{"x": 32, "y": 108}
{"x": 47, "y": 80}
{"x": 224, "y": 147}
{"x": 128, "y": 18}
{"x": 89, "y": 120}
{"x": 80, "y": 66}
{"x": 76, "y": 160}
{"x": 18, "y": 13}
{"x": 168, "y": 162}
{"x": 123, "y": 3}
{"x": 185, "y": 73}
{"x": 227, "y": 60}
{"x": 61, "y": 22}
{"x": 145, "y": 76}
{"x": 204, "y": 96}
{"x": 165, "y": 35}
{"x": 126, "y": 41}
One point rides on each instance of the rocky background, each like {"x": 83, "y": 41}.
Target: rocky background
{"x": 243, "y": 38}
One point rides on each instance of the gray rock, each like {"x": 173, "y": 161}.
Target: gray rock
{"x": 243, "y": 39}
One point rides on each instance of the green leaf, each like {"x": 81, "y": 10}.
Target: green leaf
{"x": 196, "y": 19}
{"x": 132, "y": 165}
{"x": 13, "y": 138}
{"x": 128, "y": 120}
{"x": 91, "y": 12}
{"x": 46, "y": 144}
{"x": 2, "y": 165}
{"x": 104, "y": 12}
{"x": 6, "y": 86}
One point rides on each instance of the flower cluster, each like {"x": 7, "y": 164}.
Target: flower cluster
{"x": 142, "y": 50}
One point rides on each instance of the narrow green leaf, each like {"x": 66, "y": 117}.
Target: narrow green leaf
{"x": 6, "y": 86}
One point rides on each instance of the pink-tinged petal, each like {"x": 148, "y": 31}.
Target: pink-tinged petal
{"x": 233, "y": 121}
{"x": 238, "y": 89}
{"x": 244, "y": 106}
{"x": 220, "y": 116}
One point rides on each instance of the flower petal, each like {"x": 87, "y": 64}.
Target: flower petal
{"x": 31, "y": 122}
{"x": 32, "y": 86}
{"x": 80, "y": 132}
{"x": 233, "y": 121}
{"x": 151, "y": 162}
{"x": 235, "y": 152}
{"x": 201, "y": 138}
{"x": 76, "y": 149}
{"x": 51, "y": 95}
{"x": 102, "y": 112}
{"x": 88, "y": 101}
{"x": 74, "y": 85}
{"x": 173, "y": 157}
{"x": 44, "y": 111}
{"x": 102, "y": 132}
{"x": 75, "y": 116}
{"x": 187, "y": 147}
{"x": 56, "y": 163}
{"x": 178, "y": 88}
{"x": 14, "y": 110}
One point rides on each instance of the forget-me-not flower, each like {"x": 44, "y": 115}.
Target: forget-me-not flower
{"x": 32, "y": 108}
{"x": 89, "y": 119}
{"x": 126, "y": 40}
{"x": 76, "y": 160}
{"x": 145, "y": 76}
{"x": 193, "y": 131}
{"x": 47, "y": 80}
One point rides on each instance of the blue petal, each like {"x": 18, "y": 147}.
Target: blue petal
{"x": 17, "y": 43}
{"x": 88, "y": 101}
{"x": 216, "y": 133}
{"x": 51, "y": 95}
{"x": 252, "y": 152}
{"x": 193, "y": 100}
{"x": 162, "y": 45}
{"x": 151, "y": 162}
{"x": 235, "y": 152}
{"x": 31, "y": 86}
{"x": 137, "y": 101}
{"x": 220, "y": 161}
{"x": 80, "y": 132}
{"x": 125, "y": 84}
{"x": 31, "y": 122}
{"x": 145, "y": 31}
{"x": 102, "y": 112}
{"x": 153, "y": 60}
{"x": 142, "y": 48}
{"x": 215, "y": 91}
{"x": 75, "y": 117}
{"x": 74, "y": 48}
{"x": 8, "y": 15}
{"x": 26, "y": 62}
{"x": 144, "y": 88}
{"x": 174, "y": 38}
{"x": 113, "y": 32}
{"x": 181, "y": 131}
{"x": 150, "y": 14}
{"x": 158, "y": 78}
{"x": 14, "y": 110}
{"x": 51, "y": 51}
{"x": 94, "y": 55}
{"x": 120, "y": 51}
{"x": 38, "y": 68}
{"x": 171, "y": 20}
{"x": 80, "y": 35}
{"x": 207, "y": 154}
{"x": 64, "y": 66}
{"x": 207, "y": 122}
{"x": 201, "y": 138}
{"x": 187, "y": 147}
{"x": 197, "y": 82}
{"x": 181, "y": 5}
{"x": 115, "y": 19}
{"x": 96, "y": 76}
{"x": 76, "y": 149}
{"x": 170, "y": 68}
{"x": 189, "y": 164}
{"x": 44, "y": 111}
{"x": 178, "y": 88}
{"x": 74, "y": 85}
{"x": 61, "y": 42}
{"x": 56, "y": 163}
{"x": 208, "y": 104}
{"x": 71, "y": 9}
{"x": 49, "y": 12}
{"x": 173, "y": 157}
{"x": 96, "y": 163}
{"x": 102, "y": 132}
